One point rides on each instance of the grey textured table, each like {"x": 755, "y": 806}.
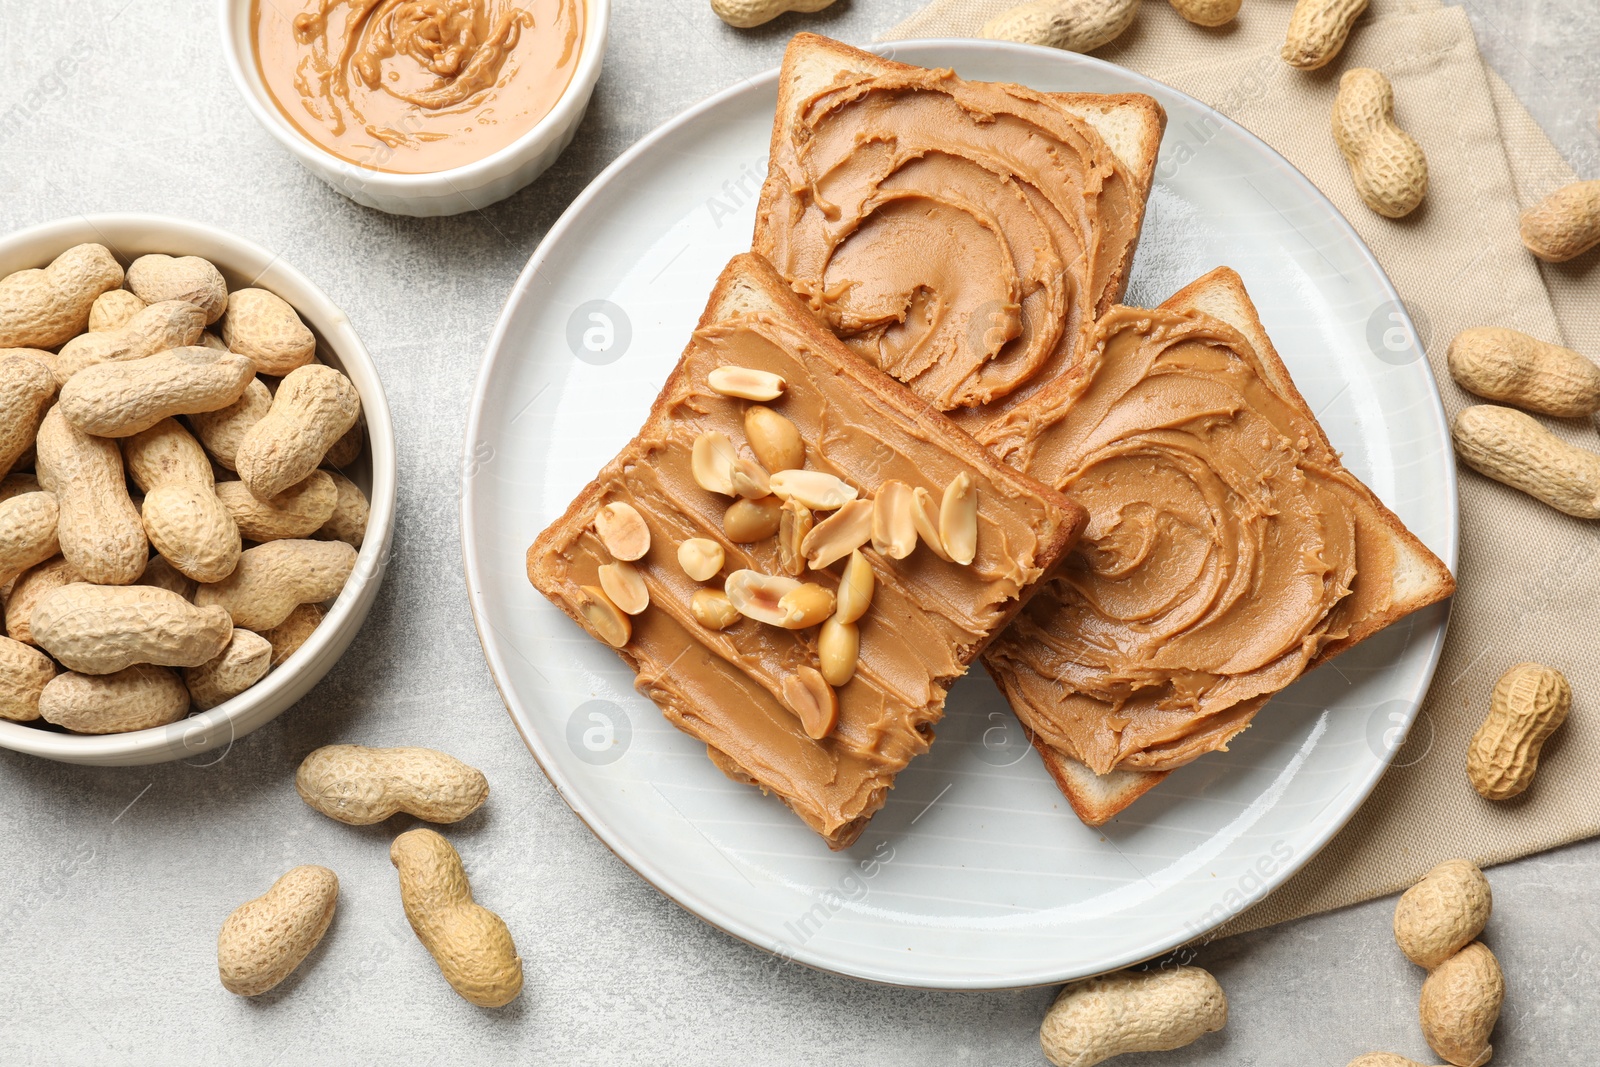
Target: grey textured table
{"x": 115, "y": 881}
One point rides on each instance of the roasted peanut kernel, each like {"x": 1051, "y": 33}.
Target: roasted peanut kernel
{"x": 813, "y": 702}
{"x": 839, "y": 534}
{"x": 712, "y": 609}
{"x": 712, "y": 462}
{"x": 817, "y": 490}
{"x": 718, "y": 468}
{"x": 894, "y": 531}
{"x": 759, "y": 596}
{"x": 625, "y": 586}
{"x": 701, "y": 558}
{"x": 746, "y": 383}
{"x": 855, "y": 588}
{"x": 774, "y": 439}
{"x": 807, "y": 605}
{"x": 748, "y": 521}
{"x": 925, "y": 517}
{"x": 622, "y": 530}
{"x": 604, "y": 617}
{"x": 794, "y": 523}
{"x": 750, "y": 479}
{"x": 958, "y": 519}
{"x": 838, "y": 648}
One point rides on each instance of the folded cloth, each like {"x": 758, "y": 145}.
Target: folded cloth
{"x": 1529, "y": 577}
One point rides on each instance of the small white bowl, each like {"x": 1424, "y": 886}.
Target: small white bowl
{"x": 242, "y": 264}
{"x": 445, "y": 192}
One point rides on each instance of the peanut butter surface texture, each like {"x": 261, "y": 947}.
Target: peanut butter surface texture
{"x": 928, "y": 617}
{"x": 956, "y": 234}
{"x": 1223, "y": 551}
{"x": 416, "y": 86}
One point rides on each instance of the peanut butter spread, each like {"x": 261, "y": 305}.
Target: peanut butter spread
{"x": 1223, "y": 551}
{"x": 957, "y": 234}
{"x": 928, "y": 617}
{"x": 416, "y": 86}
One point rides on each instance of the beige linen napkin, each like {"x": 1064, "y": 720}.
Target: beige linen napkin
{"x": 1529, "y": 577}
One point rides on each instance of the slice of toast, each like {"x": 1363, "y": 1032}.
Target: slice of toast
{"x": 736, "y": 688}
{"x": 971, "y": 274}
{"x": 1417, "y": 578}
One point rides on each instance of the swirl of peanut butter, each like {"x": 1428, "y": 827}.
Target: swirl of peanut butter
{"x": 416, "y": 85}
{"x": 1222, "y": 551}
{"x": 949, "y": 231}
{"x": 463, "y": 44}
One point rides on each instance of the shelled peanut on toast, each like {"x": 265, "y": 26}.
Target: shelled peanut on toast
{"x": 1228, "y": 549}
{"x": 786, "y": 512}
{"x": 963, "y": 236}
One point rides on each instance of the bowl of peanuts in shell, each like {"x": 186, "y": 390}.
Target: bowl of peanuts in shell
{"x": 197, "y": 488}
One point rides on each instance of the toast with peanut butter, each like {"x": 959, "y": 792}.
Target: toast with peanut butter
{"x": 962, "y": 236}
{"x": 1228, "y": 549}
{"x": 798, "y": 557}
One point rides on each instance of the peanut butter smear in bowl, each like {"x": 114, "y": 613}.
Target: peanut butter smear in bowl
{"x": 415, "y": 86}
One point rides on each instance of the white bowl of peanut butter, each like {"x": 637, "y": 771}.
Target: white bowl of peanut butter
{"x": 418, "y": 107}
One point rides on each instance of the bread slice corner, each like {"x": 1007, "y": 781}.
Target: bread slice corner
{"x": 1095, "y": 798}
{"x": 750, "y": 285}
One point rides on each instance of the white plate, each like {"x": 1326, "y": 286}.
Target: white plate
{"x": 976, "y": 874}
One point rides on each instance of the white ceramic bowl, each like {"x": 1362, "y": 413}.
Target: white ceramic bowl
{"x": 445, "y": 192}
{"x": 241, "y": 263}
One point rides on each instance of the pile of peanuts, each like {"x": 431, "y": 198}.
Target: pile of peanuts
{"x": 126, "y": 426}
{"x": 774, "y": 495}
